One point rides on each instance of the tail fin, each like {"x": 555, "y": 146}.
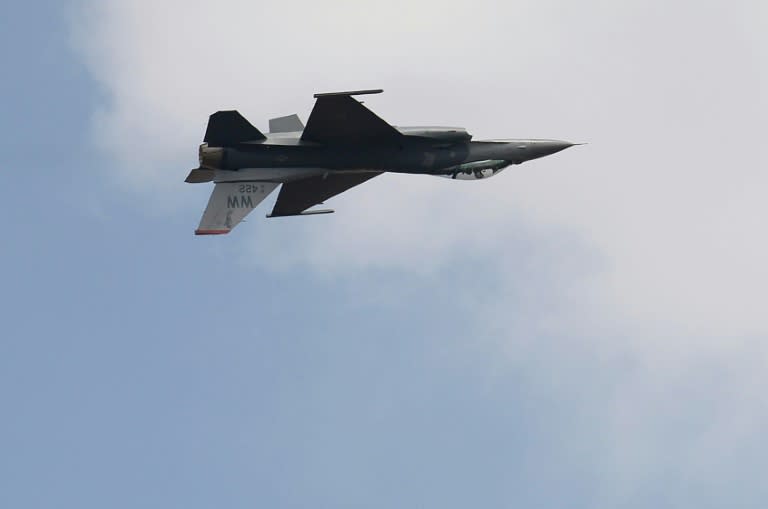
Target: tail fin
{"x": 230, "y": 128}
{"x": 230, "y": 202}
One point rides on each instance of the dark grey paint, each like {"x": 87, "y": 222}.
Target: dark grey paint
{"x": 342, "y": 134}
{"x": 354, "y": 145}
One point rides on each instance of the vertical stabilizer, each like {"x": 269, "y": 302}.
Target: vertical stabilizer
{"x": 230, "y": 202}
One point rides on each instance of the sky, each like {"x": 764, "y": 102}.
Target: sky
{"x": 585, "y": 330}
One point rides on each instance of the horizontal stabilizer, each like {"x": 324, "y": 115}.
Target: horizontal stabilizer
{"x": 289, "y": 124}
{"x": 230, "y": 128}
{"x": 199, "y": 175}
{"x": 230, "y": 202}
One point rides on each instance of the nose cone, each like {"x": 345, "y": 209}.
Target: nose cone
{"x": 541, "y": 148}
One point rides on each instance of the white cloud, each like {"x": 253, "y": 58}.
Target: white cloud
{"x": 665, "y": 207}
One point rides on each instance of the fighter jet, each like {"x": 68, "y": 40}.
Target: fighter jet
{"x": 343, "y": 145}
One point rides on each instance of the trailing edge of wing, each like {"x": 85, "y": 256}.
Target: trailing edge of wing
{"x": 338, "y": 118}
{"x": 296, "y": 197}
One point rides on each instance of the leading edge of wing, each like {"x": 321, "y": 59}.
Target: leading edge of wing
{"x": 338, "y": 118}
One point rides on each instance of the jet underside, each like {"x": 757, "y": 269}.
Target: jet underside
{"x": 343, "y": 145}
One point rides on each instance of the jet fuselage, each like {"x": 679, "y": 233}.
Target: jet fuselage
{"x": 434, "y": 155}
{"x": 342, "y": 145}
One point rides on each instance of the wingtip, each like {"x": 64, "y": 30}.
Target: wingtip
{"x": 350, "y": 92}
{"x": 211, "y": 232}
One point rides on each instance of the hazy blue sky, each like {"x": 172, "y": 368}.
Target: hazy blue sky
{"x": 589, "y": 331}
